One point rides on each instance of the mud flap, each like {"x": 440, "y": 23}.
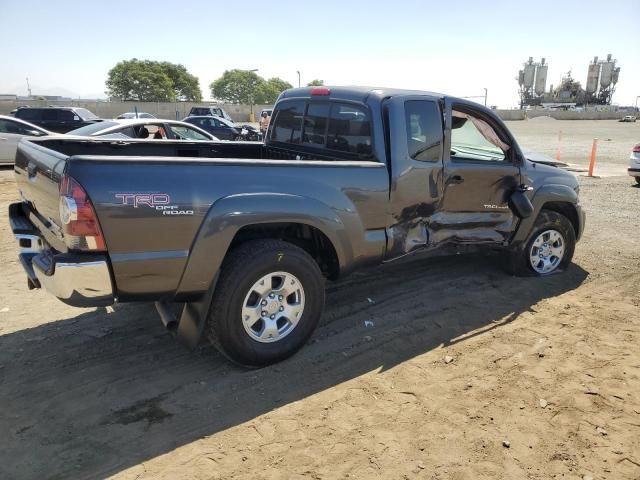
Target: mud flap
{"x": 194, "y": 318}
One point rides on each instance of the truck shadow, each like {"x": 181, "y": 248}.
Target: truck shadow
{"x": 96, "y": 394}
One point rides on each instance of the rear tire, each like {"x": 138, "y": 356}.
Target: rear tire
{"x": 638, "y": 180}
{"x": 548, "y": 249}
{"x": 267, "y": 303}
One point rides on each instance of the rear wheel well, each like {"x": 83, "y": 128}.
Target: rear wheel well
{"x": 568, "y": 210}
{"x": 307, "y": 237}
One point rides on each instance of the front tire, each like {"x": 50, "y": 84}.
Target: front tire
{"x": 637, "y": 180}
{"x": 548, "y": 249}
{"x": 267, "y": 303}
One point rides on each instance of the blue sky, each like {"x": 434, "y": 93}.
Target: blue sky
{"x": 456, "y": 47}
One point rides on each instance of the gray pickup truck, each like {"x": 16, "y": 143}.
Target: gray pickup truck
{"x": 243, "y": 234}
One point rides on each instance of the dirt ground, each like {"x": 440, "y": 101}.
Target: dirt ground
{"x": 615, "y": 141}
{"x": 464, "y": 373}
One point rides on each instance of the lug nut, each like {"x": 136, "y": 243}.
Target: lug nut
{"x": 264, "y": 313}
{"x": 281, "y": 309}
{"x": 280, "y": 297}
{"x": 272, "y": 317}
{"x": 272, "y": 295}
{"x": 263, "y": 303}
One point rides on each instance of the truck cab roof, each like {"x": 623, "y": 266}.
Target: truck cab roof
{"x": 355, "y": 93}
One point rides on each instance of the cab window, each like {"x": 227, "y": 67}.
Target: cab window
{"x": 315, "y": 124}
{"x": 287, "y": 126}
{"x": 472, "y": 138}
{"x": 349, "y": 129}
{"x": 424, "y": 130}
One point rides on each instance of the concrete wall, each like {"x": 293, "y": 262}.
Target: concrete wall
{"x": 510, "y": 114}
{"x": 178, "y": 110}
{"x": 568, "y": 115}
{"x": 240, "y": 113}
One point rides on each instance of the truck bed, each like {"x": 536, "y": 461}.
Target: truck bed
{"x": 154, "y": 254}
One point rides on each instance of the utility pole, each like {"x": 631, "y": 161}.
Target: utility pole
{"x": 29, "y": 88}
{"x": 298, "y": 72}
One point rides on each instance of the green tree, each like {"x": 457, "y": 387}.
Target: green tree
{"x": 315, "y": 83}
{"x": 185, "y": 86}
{"x": 150, "y": 81}
{"x": 236, "y": 86}
{"x": 269, "y": 91}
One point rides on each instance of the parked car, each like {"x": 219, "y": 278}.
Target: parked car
{"x": 144, "y": 129}
{"x": 221, "y": 128}
{"x": 211, "y": 111}
{"x": 634, "y": 163}
{"x": 224, "y": 129}
{"x": 57, "y": 119}
{"x": 130, "y": 115}
{"x": 244, "y": 234}
{"x": 11, "y": 131}
{"x": 628, "y": 118}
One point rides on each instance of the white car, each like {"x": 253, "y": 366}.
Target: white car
{"x": 628, "y": 118}
{"x": 634, "y": 163}
{"x": 11, "y": 131}
{"x": 141, "y": 128}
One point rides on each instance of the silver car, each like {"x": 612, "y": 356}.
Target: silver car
{"x": 148, "y": 129}
{"x": 11, "y": 131}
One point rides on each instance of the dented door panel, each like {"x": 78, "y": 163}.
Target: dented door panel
{"x": 416, "y": 186}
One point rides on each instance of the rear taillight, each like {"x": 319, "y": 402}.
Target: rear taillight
{"x": 636, "y": 149}
{"x": 79, "y": 220}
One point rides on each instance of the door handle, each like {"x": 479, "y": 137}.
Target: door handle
{"x": 455, "y": 180}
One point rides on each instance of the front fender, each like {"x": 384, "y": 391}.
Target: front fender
{"x": 229, "y": 214}
{"x": 544, "y": 195}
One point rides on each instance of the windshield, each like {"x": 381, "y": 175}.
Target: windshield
{"x": 93, "y": 128}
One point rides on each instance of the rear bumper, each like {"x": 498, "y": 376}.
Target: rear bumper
{"x": 634, "y": 172}
{"x": 77, "y": 279}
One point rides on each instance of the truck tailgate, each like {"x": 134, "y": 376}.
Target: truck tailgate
{"x": 39, "y": 172}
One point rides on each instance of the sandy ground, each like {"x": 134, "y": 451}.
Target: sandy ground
{"x": 549, "y": 367}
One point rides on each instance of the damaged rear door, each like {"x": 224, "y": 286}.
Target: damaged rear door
{"x": 414, "y": 129}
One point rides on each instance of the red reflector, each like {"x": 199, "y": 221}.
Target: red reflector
{"x": 320, "y": 91}
{"x": 636, "y": 149}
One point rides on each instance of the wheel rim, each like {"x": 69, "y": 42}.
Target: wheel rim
{"x": 273, "y": 307}
{"x": 547, "y": 251}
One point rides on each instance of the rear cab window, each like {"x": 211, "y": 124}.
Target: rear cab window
{"x": 424, "y": 130}
{"x": 287, "y": 127}
{"x": 326, "y": 127}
